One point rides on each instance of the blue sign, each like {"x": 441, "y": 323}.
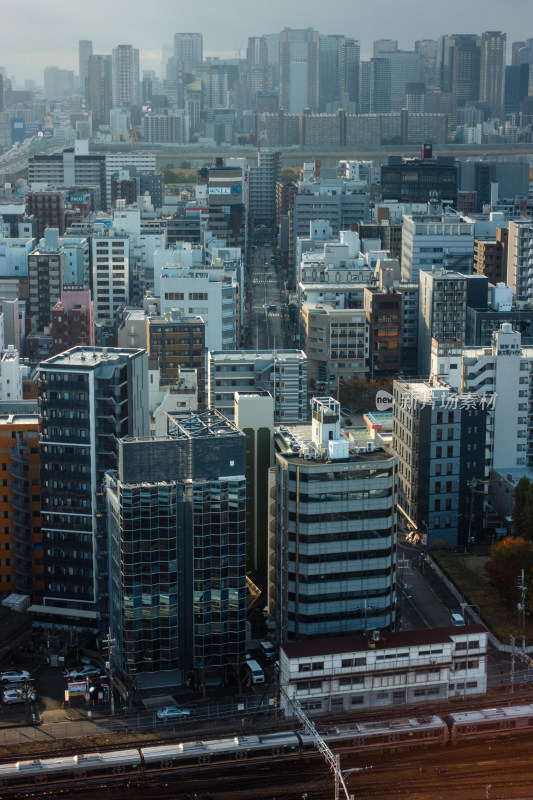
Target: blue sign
{"x": 48, "y": 133}
{"x": 32, "y": 127}
{"x": 18, "y": 129}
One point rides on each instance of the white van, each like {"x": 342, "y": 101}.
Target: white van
{"x": 457, "y": 620}
{"x": 255, "y": 672}
{"x": 268, "y": 651}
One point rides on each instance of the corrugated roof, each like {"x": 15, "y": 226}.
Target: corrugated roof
{"x": 349, "y": 644}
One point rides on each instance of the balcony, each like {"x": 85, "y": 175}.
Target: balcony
{"x": 21, "y": 535}
{"x": 18, "y": 456}
{"x": 21, "y": 504}
{"x": 23, "y": 583}
{"x": 23, "y": 568}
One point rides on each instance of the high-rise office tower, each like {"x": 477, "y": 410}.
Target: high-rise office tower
{"x": 177, "y": 536}
{"x": 380, "y": 86}
{"x": 85, "y": 50}
{"x": 427, "y": 50}
{"x": 89, "y": 398}
{"x": 58, "y": 83}
{"x": 98, "y": 89}
{"x": 350, "y": 75}
{"x": 188, "y": 50}
{"x": 515, "y": 47}
{"x": 125, "y": 76}
{"x": 492, "y": 71}
{"x": 299, "y": 70}
{"x": 458, "y": 64}
{"x": 331, "y": 572}
{"x": 257, "y": 64}
{"x": 329, "y": 77}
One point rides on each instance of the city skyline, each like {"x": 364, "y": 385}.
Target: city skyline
{"x": 52, "y": 39}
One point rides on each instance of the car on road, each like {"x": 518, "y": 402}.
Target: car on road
{"x": 89, "y": 671}
{"x": 14, "y": 676}
{"x": 272, "y": 308}
{"x": 173, "y": 712}
{"x": 13, "y": 695}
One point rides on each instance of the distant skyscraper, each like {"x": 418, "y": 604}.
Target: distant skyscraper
{"x": 458, "y": 62}
{"x": 380, "y": 85}
{"x": 329, "y": 63}
{"x": 98, "y": 91}
{"x": 298, "y": 70}
{"x": 85, "y": 50}
{"x": 382, "y": 47}
{"x": 188, "y": 49}
{"x": 492, "y": 70}
{"x": 350, "y": 75}
{"x": 427, "y": 50}
{"x": 257, "y": 64}
{"x": 125, "y": 76}
{"x": 516, "y": 46}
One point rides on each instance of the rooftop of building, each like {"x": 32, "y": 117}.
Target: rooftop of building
{"x": 247, "y": 356}
{"x": 22, "y": 419}
{"x": 378, "y": 420}
{"x": 89, "y": 356}
{"x": 327, "y": 308}
{"x": 358, "y": 643}
{"x": 295, "y": 442}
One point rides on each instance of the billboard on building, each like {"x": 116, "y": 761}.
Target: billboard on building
{"x": 18, "y": 129}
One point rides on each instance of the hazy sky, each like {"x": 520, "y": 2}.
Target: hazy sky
{"x": 39, "y": 33}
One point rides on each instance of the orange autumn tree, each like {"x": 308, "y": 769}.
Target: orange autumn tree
{"x": 508, "y": 559}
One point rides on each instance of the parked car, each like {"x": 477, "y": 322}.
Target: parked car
{"x": 14, "y": 695}
{"x": 14, "y": 676}
{"x": 173, "y": 712}
{"x": 90, "y": 671}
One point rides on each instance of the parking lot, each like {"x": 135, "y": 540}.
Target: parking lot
{"x": 51, "y": 709}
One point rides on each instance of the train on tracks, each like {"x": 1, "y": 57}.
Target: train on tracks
{"x": 33, "y": 776}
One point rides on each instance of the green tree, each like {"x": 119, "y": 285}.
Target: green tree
{"x": 522, "y": 509}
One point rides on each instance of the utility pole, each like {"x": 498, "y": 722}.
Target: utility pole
{"x": 522, "y": 607}
{"x": 512, "y": 642}
{"x": 472, "y": 485}
{"x": 109, "y": 644}
{"x": 332, "y": 759}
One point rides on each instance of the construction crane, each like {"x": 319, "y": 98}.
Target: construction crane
{"x": 333, "y": 760}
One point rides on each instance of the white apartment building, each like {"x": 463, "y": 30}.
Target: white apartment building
{"x": 11, "y": 374}
{"x": 209, "y": 292}
{"x": 504, "y": 371}
{"x": 520, "y": 260}
{"x": 14, "y": 256}
{"x": 111, "y": 273}
{"x": 167, "y": 128}
{"x": 440, "y": 240}
{"x": 358, "y": 672}
{"x": 282, "y": 373}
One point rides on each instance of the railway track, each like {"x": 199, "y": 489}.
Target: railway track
{"x": 107, "y": 742}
